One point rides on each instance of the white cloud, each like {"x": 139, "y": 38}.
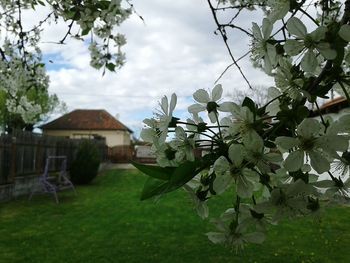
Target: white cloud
{"x": 176, "y": 51}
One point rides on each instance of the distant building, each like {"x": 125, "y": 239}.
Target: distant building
{"x": 334, "y": 108}
{"x": 90, "y": 124}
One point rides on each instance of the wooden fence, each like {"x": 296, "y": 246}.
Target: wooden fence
{"x": 24, "y": 153}
{"x": 121, "y": 154}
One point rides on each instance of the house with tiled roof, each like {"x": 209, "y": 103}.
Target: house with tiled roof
{"x": 98, "y": 124}
{"x": 334, "y": 108}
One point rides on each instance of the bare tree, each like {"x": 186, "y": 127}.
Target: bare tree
{"x": 258, "y": 93}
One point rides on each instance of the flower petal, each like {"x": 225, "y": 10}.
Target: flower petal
{"x": 216, "y": 93}
{"x": 255, "y": 238}
{"x": 235, "y": 153}
{"x": 336, "y": 143}
{"x": 309, "y": 128}
{"x": 226, "y": 106}
{"x": 253, "y": 141}
{"x": 326, "y": 51}
{"x": 148, "y": 135}
{"x": 279, "y": 11}
{"x": 344, "y": 32}
{"x": 164, "y": 105}
{"x": 274, "y": 157}
{"x": 221, "y": 165}
{"x": 216, "y": 237}
{"x": 173, "y": 102}
{"x": 201, "y": 96}
{"x": 293, "y": 47}
{"x": 296, "y": 27}
{"x": 318, "y": 34}
{"x": 212, "y": 117}
{"x": 244, "y": 187}
{"x": 196, "y": 108}
{"x": 256, "y": 31}
{"x": 294, "y": 161}
{"x": 309, "y": 61}
{"x": 286, "y": 143}
{"x": 267, "y": 27}
{"x": 318, "y": 162}
{"x": 344, "y": 123}
{"x": 222, "y": 182}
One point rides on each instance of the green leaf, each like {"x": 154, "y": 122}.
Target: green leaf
{"x": 41, "y": 3}
{"x": 344, "y": 32}
{"x": 110, "y": 66}
{"x": 183, "y": 173}
{"x": 249, "y": 103}
{"x": 162, "y": 173}
{"x": 153, "y": 187}
{"x": 178, "y": 177}
{"x": 85, "y": 31}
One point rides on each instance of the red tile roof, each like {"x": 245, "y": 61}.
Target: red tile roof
{"x": 335, "y": 101}
{"x": 86, "y": 120}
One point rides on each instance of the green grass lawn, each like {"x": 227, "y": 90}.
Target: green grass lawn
{"x": 106, "y": 222}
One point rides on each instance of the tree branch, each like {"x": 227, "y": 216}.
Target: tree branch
{"x": 224, "y": 37}
{"x": 329, "y": 64}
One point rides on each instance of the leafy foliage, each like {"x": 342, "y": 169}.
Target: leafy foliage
{"x": 85, "y": 166}
{"x": 24, "y": 82}
{"x": 272, "y": 155}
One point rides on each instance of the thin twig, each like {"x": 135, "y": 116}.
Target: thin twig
{"x": 68, "y": 32}
{"x": 229, "y": 66}
{"x": 321, "y": 116}
{"x": 239, "y": 28}
{"x": 345, "y": 91}
{"x": 309, "y": 16}
{"x": 3, "y": 56}
{"x": 21, "y": 34}
{"x": 224, "y": 37}
{"x": 239, "y": 6}
{"x": 134, "y": 10}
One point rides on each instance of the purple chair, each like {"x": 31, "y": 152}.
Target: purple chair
{"x": 53, "y": 184}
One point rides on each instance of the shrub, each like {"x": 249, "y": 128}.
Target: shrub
{"x": 85, "y": 166}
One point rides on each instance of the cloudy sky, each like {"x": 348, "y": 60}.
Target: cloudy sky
{"x": 176, "y": 50}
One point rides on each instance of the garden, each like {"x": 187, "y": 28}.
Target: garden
{"x": 273, "y": 169}
{"x": 107, "y": 222}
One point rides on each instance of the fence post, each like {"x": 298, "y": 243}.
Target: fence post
{"x": 38, "y": 157}
{"x": 13, "y": 160}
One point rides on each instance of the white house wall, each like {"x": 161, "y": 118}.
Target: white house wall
{"x": 113, "y": 138}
